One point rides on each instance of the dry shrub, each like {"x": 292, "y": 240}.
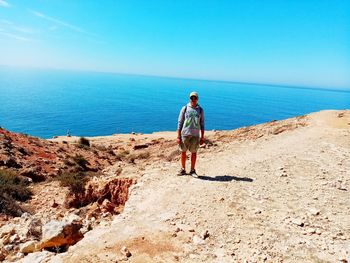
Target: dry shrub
{"x": 121, "y": 154}
{"x": 81, "y": 162}
{"x": 83, "y": 142}
{"x": 138, "y": 156}
{"x": 74, "y": 181}
{"x": 101, "y": 148}
{"x": 12, "y": 188}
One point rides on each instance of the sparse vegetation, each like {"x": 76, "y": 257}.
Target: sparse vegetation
{"x": 74, "y": 181}
{"x": 135, "y": 156}
{"x": 83, "y": 142}
{"x": 12, "y": 188}
{"x": 121, "y": 154}
{"x": 81, "y": 161}
{"x": 100, "y": 147}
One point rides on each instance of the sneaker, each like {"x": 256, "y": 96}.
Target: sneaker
{"x": 193, "y": 173}
{"x": 181, "y": 172}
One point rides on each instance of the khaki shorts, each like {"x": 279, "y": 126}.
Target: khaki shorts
{"x": 190, "y": 143}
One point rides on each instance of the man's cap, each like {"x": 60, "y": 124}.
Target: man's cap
{"x": 193, "y": 93}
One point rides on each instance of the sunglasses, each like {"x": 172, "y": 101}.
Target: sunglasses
{"x": 194, "y": 98}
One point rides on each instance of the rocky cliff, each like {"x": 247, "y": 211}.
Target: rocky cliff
{"x": 275, "y": 192}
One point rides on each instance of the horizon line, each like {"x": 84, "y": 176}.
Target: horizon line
{"x": 282, "y": 85}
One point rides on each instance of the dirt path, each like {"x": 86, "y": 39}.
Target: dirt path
{"x": 280, "y": 198}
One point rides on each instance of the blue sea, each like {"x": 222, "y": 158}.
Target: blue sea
{"x": 46, "y": 103}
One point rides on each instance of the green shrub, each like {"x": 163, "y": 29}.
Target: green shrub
{"x": 14, "y": 186}
{"x": 80, "y": 161}
{"x": 74, "y": 181}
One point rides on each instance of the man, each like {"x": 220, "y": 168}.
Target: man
{"x": 190, "y": 124}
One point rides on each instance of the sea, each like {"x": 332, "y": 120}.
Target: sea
{"x": 48, "y": 103}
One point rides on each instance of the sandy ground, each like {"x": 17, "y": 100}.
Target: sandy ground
{"x": 279, "y": 198}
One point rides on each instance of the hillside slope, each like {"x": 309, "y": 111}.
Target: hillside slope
{"x": 264, "y": 194}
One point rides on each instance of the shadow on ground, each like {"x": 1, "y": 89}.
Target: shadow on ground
{"x": 225, "y": 178}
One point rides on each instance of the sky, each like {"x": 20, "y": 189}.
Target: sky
{"x": 290, "y": 42}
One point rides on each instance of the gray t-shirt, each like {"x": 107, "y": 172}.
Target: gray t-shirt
{"x": 191, "y": 120}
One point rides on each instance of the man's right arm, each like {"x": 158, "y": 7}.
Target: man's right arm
{"x": 180, "y": 123}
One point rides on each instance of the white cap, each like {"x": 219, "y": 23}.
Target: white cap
{"x": 193, "y": 93}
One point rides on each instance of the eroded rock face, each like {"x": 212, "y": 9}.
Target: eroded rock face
{"x": 61, "y": 233}
{"x": 115, "y": 191}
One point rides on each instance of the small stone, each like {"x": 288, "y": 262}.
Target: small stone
{"x": 204, "y": 234}
{"x": 125, "y": 251}
{"x": 191, "y": 230}
{"x": 298, "y": 222}
{"x": 318, "y": 231}
{"x": 311, "y": 230}
{"x": 177, "y": 230}
{"x": 314, "y": 211}
{"x": 197, "y": 240}
{"x": 343, "y": 259}
{"x": 14, "y": 238}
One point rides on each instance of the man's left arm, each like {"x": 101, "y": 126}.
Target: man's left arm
{"x": 202, "y": 128}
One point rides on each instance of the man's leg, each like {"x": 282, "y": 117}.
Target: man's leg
{"x": 193, "y": 161}
{"x": 183, "y": 160}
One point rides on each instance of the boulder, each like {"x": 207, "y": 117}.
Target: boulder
{"x": 34, "y": 228}
{"x": 61, "y": 233}
{"x": 38, "y": 257}
{"x": 29, "y": 247}
{"x": 33, "y": 174}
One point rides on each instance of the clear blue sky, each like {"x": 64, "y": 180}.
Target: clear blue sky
{"x": 297, "y": 42}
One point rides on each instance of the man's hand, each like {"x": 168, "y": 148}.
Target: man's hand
{"x": 202, "y": 141}
{"x": 178, "y": 140}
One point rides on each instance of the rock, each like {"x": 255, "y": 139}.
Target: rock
{"x": 54, "y": 204}
{"x": 197, "y": 240}
{"x": 3, "y": 254}
{"x": 237, "y": 240}
{"x": 25, "y": 216}
{"x": 7, "y": 230}
{"x": 311, "y": 231}
{"x": 204, "y": 234}
{"x": 298, "y": 222}
{"x": 29, "y": 247}
{"x": 125, "y": 251}
{"x": 107, "y": 206}
{"x": 38, "y": 257}
{"x": 8, "y": 248}
{"x": 61, "y": 233}
{"x": 14, "y": 238}
{"x": 33, "y": 174}
{"x": 34, "y": 228}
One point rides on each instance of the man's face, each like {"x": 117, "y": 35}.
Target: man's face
{"x": 194, "y": 100}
